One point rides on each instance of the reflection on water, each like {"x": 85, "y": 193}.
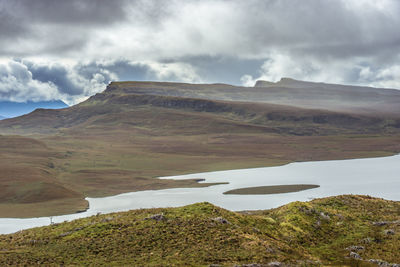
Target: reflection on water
{"x": 378, "y": 177}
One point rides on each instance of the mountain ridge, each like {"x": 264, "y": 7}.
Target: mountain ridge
{"x": 361, "y": 100}
{"x": 11, "y": 109}
{"x": 261, "y": 115}
{"x": 294, "y": 83}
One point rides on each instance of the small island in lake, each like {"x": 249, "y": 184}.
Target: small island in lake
{"x": 271, "y": 189}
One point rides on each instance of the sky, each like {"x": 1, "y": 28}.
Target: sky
{"x": 70, "y": 50}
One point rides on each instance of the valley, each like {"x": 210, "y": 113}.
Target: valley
{"x": 217, "y": 133}
{"x": 121, "y": 140}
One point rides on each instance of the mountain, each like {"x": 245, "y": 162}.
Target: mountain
{"x": 13, "y": 109}
{"x": 289, "y": 106}
{"x": 347, "y": 230}
{"x": 110, "y": 108}
{"x": 335, "y": 97}
{"x": 120, "y": 140}
{"x": 340, "y": 98}
{"x": 2, "y": 118}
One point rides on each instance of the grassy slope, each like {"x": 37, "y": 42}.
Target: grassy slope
{"x": 118, "y": 142}
{"x": 27, "y": 180}
{"x": 302, "y": 233}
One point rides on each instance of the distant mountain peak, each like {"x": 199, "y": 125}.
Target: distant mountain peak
{"x": 286, "y": 82}
{"x": 11, "y": 109}
{"x": 262, "y": 83}
{"x": 286, "y": 79}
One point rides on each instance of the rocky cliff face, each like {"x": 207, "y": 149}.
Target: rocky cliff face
{"x": 290, "y": 83}
{"x": 261, "y": 83}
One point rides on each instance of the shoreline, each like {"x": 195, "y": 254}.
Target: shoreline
{"x": 183, "y": 196}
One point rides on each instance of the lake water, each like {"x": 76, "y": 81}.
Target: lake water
{"x": 378, "y": 177}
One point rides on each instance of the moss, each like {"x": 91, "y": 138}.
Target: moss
{"x": 203, "y": 234}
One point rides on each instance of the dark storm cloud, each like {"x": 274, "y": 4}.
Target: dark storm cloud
{"x": 158, "y": 29}
{"x": 10, "y": 26}
{"x": 322, "y": 28}
{"x": 88, "y": 12}
{"x": 53, "y": 27}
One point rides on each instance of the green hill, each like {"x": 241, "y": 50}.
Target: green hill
{"x": 343, "y": 230}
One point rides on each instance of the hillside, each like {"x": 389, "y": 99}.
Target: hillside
{"x": 257, "y": 116}
{"x": 343, "y": 230}
{"x": 27, "y": 180}
{"x": 310, "y": 95}
{"x": 11, "y": 109}
{"x": 122, "y": 139}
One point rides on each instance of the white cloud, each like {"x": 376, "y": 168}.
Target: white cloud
{"x": 361, "y": 71}
{"x": 248, "y": 80}
{"x": 387, "y": 77}
{"x": 16, "y": 84}
{"x": 280, "y": 65}
{"x": 174, "y": 72}
{"x": 24, "y": 80}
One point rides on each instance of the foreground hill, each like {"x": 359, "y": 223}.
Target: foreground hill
{"x": 11, "y": 109}
{"x": 342, "y": 230}
{"x": 122, "y": 139}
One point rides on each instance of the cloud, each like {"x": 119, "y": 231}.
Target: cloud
{"x": 217, "y": 69}
{"x": 16, "y": 84}
{"x": 22, "y": 80}
{"x": 71, "y": 81}
{"x": 361, "y": 71}
{"x": 78, "y": 46}
{"x": 53, "y": 27}
{"x": 153, "y": 30}
{"x": 388, "y": 77}
{"x": 81, "y": 13}
{"x": 57, "y": 74}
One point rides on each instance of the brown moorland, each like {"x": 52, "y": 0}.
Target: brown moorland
{"x": 122, "y": 139}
